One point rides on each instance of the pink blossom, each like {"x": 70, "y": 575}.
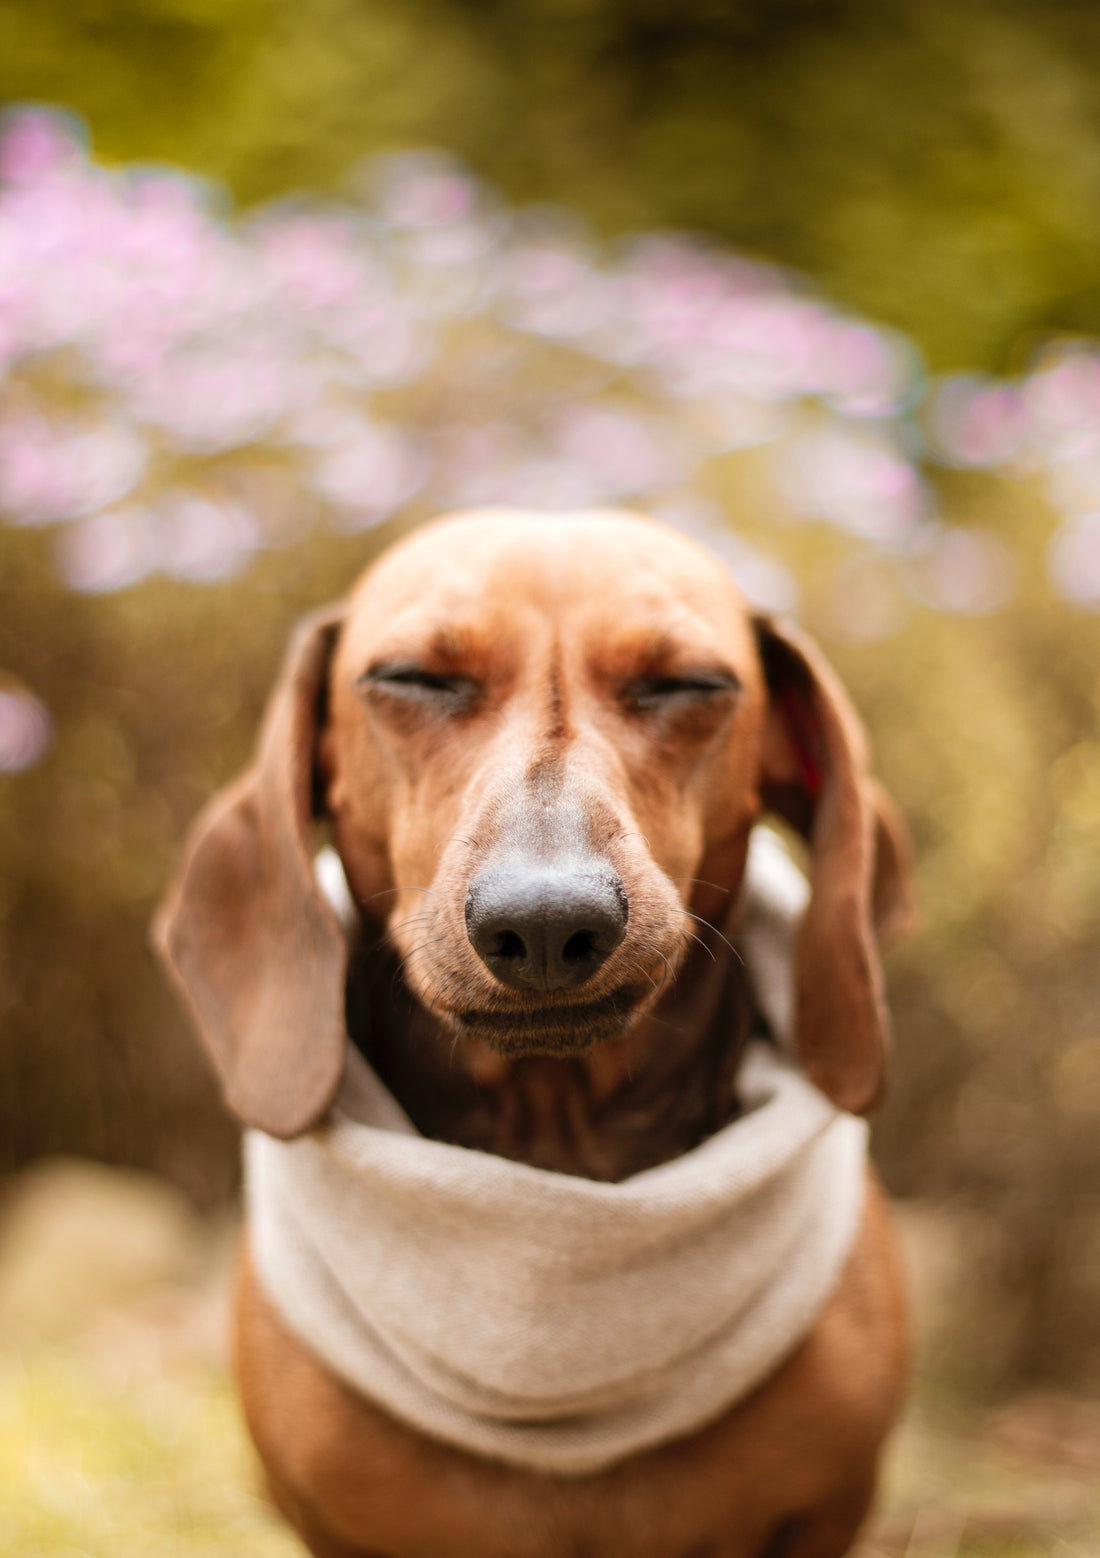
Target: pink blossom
{"x": 1074, "y": 560}
{"x": 36, "y": 143}
{"x": 855, "y": 480}
{"x": 107, "y": 551}
{"x": 26, "y": 730}
{"x": 423, "y": 189}
{"x": 962, "y": 570}
{"x": 978, "y": 422}
{"x": 624, "y": 454}
{"x": 1062, "y": 396}
{"x": 51, "y": 471}
{"x": 371, "y": 476}
{"x": 204, "y": 539}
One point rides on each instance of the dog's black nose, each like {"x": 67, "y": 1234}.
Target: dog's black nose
{"x": 545, "y": 927}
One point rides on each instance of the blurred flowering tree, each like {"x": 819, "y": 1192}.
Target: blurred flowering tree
{"x": 930, "y": 162}
{"x": 208, "y": 423}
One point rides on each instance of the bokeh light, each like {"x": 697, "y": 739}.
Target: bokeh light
{"x": 26, "y": 730}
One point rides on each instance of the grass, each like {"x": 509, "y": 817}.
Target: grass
{"x": 956, "y": 1489}
{"x": 89, "y": 1469}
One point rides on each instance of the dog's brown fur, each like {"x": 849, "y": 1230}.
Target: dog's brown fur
{"x": 502, "y": 687}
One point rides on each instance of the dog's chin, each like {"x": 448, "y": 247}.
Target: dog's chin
{"x": 552, "y": 1030}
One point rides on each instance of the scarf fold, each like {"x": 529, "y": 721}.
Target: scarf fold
{"x": 558, "y": 1323}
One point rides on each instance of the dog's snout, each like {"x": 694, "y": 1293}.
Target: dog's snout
{"x": 545, "y": 927}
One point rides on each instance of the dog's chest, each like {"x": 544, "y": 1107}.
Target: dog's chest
{"x": 549, "y": 1114}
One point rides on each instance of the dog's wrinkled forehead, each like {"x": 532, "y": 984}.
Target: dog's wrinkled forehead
{"x": 502, "y": 575}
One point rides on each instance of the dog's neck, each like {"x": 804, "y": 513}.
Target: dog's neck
{"x": 621, "y": 1107}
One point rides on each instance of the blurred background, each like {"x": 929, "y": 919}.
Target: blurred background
{"x": 816, "y": 280}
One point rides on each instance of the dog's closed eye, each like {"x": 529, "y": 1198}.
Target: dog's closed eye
{"x": 440, "y": 691}
{"x": 668, "y": 693}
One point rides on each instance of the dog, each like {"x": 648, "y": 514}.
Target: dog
{"x": 540, "y": 747}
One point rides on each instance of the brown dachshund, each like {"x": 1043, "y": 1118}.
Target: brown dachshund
{"x": 539, "y": 746}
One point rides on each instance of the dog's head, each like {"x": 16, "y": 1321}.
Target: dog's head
{"x": 542, "y": 745}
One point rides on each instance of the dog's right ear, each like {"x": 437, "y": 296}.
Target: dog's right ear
{"x": 245, "y": 931}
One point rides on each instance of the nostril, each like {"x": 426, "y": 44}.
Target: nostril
{"x": 580, "y": 948}
{"x": 510, "y": 946}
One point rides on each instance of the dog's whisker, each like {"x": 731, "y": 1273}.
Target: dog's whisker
{"x": 432, "y": 998}
{"x": 457, "y": 838}
{"x": 663, "y": 1022}
{"x": 641, "y": 969}
{"x": 668, "y": 976}
{"x": 635, "y": 967}
{"x": 691, "y": 936}
{"x": 451, "y": 979}
{"x": 701, "y": 881}
{"x": 406, "y": 957}
{"x": 688, "y": 935}
{"x": 698, "y": 918}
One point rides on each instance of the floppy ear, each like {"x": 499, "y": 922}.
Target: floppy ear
{"x": 247, "y": 936}
{"x": 816, "y": 776}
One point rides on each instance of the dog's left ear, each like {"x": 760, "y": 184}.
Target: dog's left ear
{"x": 245, "y": 931}
{"x": 816, "y": 776}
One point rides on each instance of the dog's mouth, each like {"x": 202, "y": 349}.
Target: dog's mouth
{"x": 553, "y": 1030}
